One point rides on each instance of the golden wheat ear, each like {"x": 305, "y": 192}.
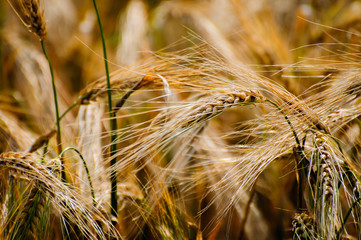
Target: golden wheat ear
{"x": 67, "y": 205}
{"x": 31, "y": 16}
{"x": 303, "y": 227}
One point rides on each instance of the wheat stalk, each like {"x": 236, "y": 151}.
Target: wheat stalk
{"x": 34, "y": 20}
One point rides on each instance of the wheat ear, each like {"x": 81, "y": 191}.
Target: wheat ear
{"x": 63, "y": 198}
{"x": 31, "y": 213}
{"x": 303, "y": 227}
{"x": 325, "y": 172}
{"x": 33, "y": 18}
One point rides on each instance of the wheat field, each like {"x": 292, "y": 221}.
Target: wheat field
{"x": 180, "y": 119}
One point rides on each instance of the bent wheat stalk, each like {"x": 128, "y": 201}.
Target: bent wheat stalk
{"x": 86, "y": 170}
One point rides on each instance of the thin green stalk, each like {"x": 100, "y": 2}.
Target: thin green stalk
{"x": 300, "y": 151}
{"x": 86, "y": 170}
{"x": 44, "y": 139}
{"x": 113, "y": 124}
{"x": 289, "y": 123}
{"x": 58, "y": 135}
{"x": 68, "y": 110}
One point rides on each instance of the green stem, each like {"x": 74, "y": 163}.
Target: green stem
{"x": 113, "y": 125}
{"x": 289, "y": 123}
{"x": 58, "y": 135}
{"x": 300, "y": 151}
{"x": 68, "y": 110}
{"x": 86, "y": 170}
